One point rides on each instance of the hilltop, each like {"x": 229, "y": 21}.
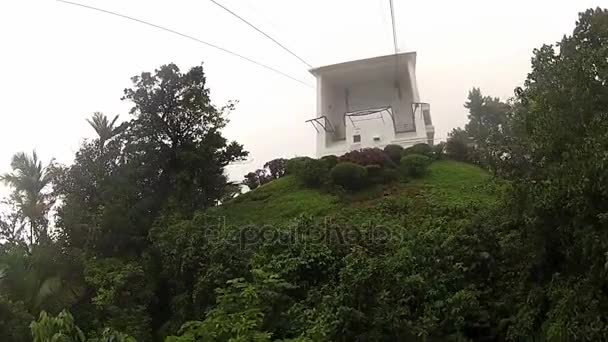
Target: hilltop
{"x": 447, "y": 184}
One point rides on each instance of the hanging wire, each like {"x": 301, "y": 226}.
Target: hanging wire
{"x": 188, "y": 37}
{"x": 260, "y": 31}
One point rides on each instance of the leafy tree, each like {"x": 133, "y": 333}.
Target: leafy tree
{"x": 63, "y": 328}
{"x": 122, "y": 295}
{"x": 177, "y": 134}
{"x": 14, "y": 321}
{"x": 276, "y": 167}
{"x": 60, "y": 328}
{"x": 555, "y": 158}
{"x": 252, "y": 181}
{"x": 458, "y": 145}
{"x": 486, "y": 116}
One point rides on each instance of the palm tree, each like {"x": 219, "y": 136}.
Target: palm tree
{"x": 105, "y": 128}
{"x": 28, "y": 180}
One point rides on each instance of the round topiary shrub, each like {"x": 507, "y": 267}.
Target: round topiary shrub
{"x": 349, "y": 175}
{"x": 389, "y": 176}
{"x": 415, "y": 165}
{"x": 394, "y": 152}
{"x": 422, "y": 149}
{"x": 312, "y": 172}
{"x": 374, "y": 174}
{"x": 294, "y": 164}
{"x": 330, "y": 160}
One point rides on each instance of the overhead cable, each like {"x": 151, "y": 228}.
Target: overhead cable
{"x": 189, "y": 37}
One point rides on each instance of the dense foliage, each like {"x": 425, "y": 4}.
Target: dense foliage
{"x": 419, "y": 149}
{"x": 415, "y": 165}
{"x": 351, "y": 176}
{"x": 139, "y": 249}
{"x": 367, "y": 156}
{"x": 394, "y": 152}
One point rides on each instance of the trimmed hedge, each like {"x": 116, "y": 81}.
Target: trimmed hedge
{"x": 394, "y": 152}
{"x": 349, "y": 175}
{"x": 330, "y": 160}
{"x": 374, "y": 174}
{"x": 367, "y": 156}
{"x": 294, "y": 164}
{"x": 312, "y": 172}
{"x": 422, "y": 149}
{"x": 389, "y": 176}
{"x": 415, "y": 165}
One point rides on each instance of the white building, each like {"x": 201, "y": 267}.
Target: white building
{"x": 370, "y": 103}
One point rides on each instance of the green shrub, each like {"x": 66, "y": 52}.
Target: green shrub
{"x": 349, "y": 175}
{"x": 389, "y": 176}
{"x": 294, "y": 164}
{"x": 374, "y": 174}
{"x": 330, "y": 160}
{"x": 422, "y": 149}
{"x": 311, "y": 172}
{"x": 415, "y": 165}
{"x": 394, "y": 152}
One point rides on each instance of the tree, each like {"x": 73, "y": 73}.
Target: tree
{"x": 176, "y": 135}
{"x": 276, "y": 167}
{"x": 163, "y": 165}
{"x": 557, "y": 163}
{"x": 486, "y": 116}
{"x": 63, "y": 328}
{"x": 458, "y": 144}
{"x": 30, "y": 182}
{"x": 251, "y": 180}
{"x": 105, "y": 128}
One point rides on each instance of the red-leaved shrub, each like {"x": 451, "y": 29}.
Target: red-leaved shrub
{"x": 367, "y": 156}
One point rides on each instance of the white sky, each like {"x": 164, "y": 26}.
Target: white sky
{"x": 61, "y": 63}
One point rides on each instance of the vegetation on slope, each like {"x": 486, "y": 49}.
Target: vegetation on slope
{"x": 447, "y": 183}
{"x": 141, "y": 251}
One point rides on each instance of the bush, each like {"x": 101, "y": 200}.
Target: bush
{"x": 389, "y": 176}
{"x": 374, "y": 174}
{"x": 415, "y": 165}
{"x": 349, "y": 175}
{"x": 311, "y": 172}
{"x": 330, "y": 160}
{"x": 394, "y": 152}
{"x": 367, "y": 156}
{"x": 294, "y": 164}
{"x": 422, "y": 149}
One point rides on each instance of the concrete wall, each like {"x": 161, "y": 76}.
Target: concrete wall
{"x": 345, "y": 92}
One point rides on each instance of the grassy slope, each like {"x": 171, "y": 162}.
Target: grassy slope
{"x": 448, "y": 182}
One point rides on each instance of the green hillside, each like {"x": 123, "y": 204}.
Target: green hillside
{"x": 448, "y": 183}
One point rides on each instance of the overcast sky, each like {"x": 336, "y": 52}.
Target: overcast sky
{"x": 61, "y": 63}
